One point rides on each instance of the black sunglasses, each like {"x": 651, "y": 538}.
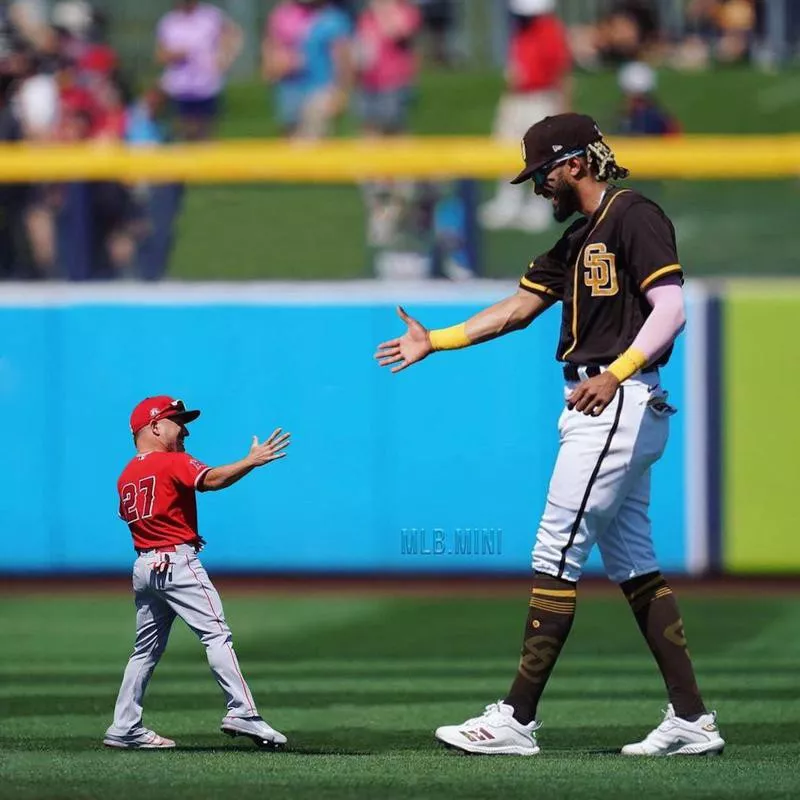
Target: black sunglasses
{"x": 539, "y": 176}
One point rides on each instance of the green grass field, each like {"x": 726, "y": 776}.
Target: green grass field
{"x": 298, "y": 231}
{"x": 358, "y": 683}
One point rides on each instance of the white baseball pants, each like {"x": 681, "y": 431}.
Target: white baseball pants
{"x": 183, "y": 590}
{"x": 600, "y": 489}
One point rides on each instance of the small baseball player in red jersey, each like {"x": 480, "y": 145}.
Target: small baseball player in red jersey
{"x": 157, "y": 500}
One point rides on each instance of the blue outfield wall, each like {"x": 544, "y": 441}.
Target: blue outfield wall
{"x": 463, "y": 441}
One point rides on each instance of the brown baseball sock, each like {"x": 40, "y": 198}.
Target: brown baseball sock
{"x": 656, "y": 612}
{"x": 550, "y": 614}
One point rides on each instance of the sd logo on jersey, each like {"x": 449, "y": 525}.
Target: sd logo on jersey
{"x": 600, "y": 270}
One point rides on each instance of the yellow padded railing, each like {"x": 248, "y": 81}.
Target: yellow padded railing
{"x": 345, "y": 160}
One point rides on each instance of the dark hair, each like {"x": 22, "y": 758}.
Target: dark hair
{"x": 603, "y": 164}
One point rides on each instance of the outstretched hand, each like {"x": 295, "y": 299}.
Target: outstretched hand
{"x": 408, "y": 349}
{"x": 269, "y": 450}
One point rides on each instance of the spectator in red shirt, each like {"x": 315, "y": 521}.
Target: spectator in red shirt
{"x": 537, "y": 76}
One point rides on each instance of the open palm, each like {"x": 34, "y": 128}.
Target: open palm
{"x": 411, "y": 347}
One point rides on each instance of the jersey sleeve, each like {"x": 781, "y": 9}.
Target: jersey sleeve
{"x": 189, "y": 471}
{"x": 545, "y": 274}
{"x": 651, "y": 253}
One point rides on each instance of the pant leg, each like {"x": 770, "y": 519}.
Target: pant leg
{"x": 601, "y": 461}
{"x": 626, "y": 545}
{"x": 154, "y": 620}
{"x": 506, "y": 128}
{"x": 191, "y": 595}
{"x": 515, "y": 114}
{"x": 163, "y": 208}
{"x": 576, "y": 511}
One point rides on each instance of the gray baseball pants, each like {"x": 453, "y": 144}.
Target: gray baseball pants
{"x": 182, "y": 590}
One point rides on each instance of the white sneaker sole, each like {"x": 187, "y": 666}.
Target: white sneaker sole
{"x": 474, "y": 748}
{"x": 116, "y": 743}
{"x": 700, "y": 749}
{"x": 264, "y": 744}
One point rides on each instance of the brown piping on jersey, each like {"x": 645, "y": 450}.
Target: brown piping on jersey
{"x": 577, "y": 263}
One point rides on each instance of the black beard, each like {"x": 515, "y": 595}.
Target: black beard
{"x": 568, "y": 202}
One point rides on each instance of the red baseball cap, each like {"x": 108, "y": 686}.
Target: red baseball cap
{"x": 160, "y": 407}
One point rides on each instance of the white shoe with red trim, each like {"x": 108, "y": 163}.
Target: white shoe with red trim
{"x": 679, "y": 737}
{"x": 495, "y": 732}
{"x": 254, "y": 728}
{"x": 146, "y": 740}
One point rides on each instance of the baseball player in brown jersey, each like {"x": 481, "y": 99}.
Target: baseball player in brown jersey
{"x": 617, "y": 275}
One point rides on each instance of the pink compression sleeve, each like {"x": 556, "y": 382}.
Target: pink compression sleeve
{"x": 665, "y": 322}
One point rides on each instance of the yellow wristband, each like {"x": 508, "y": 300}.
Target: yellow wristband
{"x": 450, "y": 338}
{"x": 629, "y": 363}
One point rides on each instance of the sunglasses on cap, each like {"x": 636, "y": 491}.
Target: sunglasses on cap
{"x": 539, "y": 176}
{"x": 175, "y": 409}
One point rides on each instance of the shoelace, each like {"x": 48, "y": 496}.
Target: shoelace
{"x": 488, "y": 712}
{"x": 492, "y": 709}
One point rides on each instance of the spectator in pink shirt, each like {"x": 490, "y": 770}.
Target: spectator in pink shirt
{"x": 197, "y": 45}
{"x": 387, "y": 60}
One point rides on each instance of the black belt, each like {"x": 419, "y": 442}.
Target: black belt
{"x": 591, "y": 370}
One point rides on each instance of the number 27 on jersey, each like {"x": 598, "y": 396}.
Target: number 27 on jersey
{"x": 137, "y": 499}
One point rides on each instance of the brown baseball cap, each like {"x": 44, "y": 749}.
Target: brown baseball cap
{"x": 554, "y": 139}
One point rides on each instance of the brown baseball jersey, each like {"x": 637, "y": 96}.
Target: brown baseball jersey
{"x": 600, "y": 270}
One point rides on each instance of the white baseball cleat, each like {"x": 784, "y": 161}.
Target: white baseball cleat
{"x": 146, "y": 740}
{"x": 679, "y": 737}
{"x": 495, "y": 732}
{"x": 254, "y": 728}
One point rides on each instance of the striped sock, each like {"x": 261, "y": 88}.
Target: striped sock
{"x": 550, "y": 615}
{"x": 656, "y": 611}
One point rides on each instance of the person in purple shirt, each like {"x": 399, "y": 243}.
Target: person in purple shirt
{"x": 197, "y": 45}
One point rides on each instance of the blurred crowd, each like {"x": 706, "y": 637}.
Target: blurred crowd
{"x": 61, "y": 81}
{"x": 712, "y": 31}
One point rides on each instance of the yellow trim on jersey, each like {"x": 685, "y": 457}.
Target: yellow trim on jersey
{"x": 577, "y": 263}
{"x": 536, "y": 287}
{"x": 658, "y": 274}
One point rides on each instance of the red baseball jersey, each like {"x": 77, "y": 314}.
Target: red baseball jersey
{"x": 157, "y": 498}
